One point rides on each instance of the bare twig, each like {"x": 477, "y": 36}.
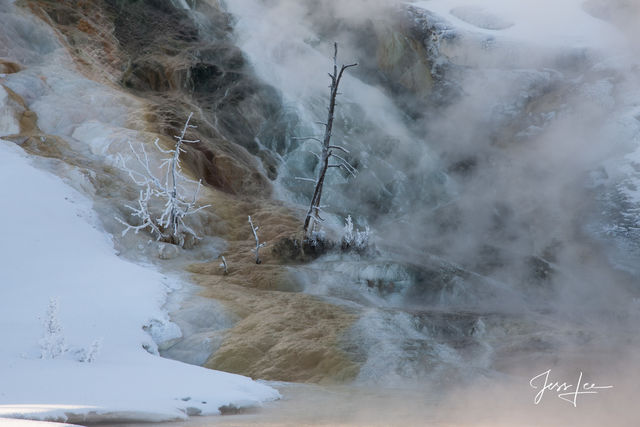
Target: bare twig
{"x": 337, "y": 147}
{"x": 259, "y": 245}
{"x": 224, "y": 265}
{"x": 305, "y": 179}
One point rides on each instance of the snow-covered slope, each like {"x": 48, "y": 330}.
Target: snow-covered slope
{"x": 12, "y": 422}
{"x": 52, "y": 248}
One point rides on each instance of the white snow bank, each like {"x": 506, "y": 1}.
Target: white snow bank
{"x": 51, "y": 248}
{"x": 8, "y": 422}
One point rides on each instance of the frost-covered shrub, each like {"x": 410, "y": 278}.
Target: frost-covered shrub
{"x": 362, "y": 238}
{"x": 353, "y": 238}
{"x": 52, "y": 343}
{"x": 316, "y": 236}
{"x": 348, "y": 238}
{"x": 168, "y": 191}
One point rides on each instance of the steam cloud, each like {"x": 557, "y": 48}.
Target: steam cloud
{"x": 507, "y": 173}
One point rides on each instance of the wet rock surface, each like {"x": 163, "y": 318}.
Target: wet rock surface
{"x": 158, "y": 52}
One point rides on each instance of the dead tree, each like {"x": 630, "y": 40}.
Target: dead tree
{"x": 328, "y": 151}
{"x": 258, "y": 244}
{"x": 169, "y": 225}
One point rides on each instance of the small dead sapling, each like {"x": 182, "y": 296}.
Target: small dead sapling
{"x": 259, "y": 245}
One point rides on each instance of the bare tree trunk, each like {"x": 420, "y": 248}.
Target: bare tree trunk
{"x": 313, "y": 214}
{"x": 173, "y": 171}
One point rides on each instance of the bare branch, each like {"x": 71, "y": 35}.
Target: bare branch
{"x": 343, "y": 167}
{"x": 306, "y": 138}
{"x": 315, "y": 154}
{"x": 337, "y": 147}
{"x": 344, "y": 161}
{"x": 345, "y": 67}
{"x": 306, "y": 179}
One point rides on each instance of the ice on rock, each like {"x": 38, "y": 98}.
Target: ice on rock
{"x": 23, "y": 38}
{"x": 71, "y": 100}
{"x": 104, "y": 139}
{"x": 27, "y": 84}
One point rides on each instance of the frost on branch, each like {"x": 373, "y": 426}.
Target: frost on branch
{"x": 354, "y": 239}
{"x": 166, "y": 222}
{"x": 52, "y": 344}
{"x": 348, "y": 237}
{"x": 258, "y": 244}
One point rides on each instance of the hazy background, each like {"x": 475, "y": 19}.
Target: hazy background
{"x": 512, "y": 169}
